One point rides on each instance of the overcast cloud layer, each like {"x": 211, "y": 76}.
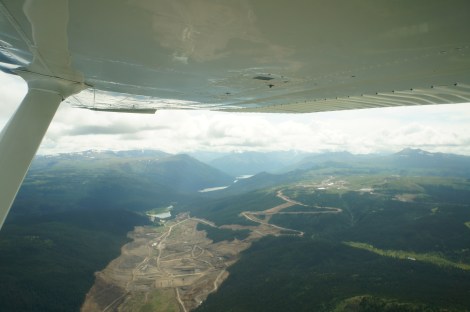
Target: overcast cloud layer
{"x": 440, "y": 128}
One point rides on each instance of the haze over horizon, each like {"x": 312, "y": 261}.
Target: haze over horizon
{"x": 436, "y": 128}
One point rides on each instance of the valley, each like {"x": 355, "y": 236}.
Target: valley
{"x": 334, "y": 232}
{"x": 178, "y": 257}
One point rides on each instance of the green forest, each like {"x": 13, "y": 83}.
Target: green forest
{"x": 422, "y": 265}
{"x": 398, "y": 241}
{"x": 47, "y": 263}
{"x": 218, "y": 235}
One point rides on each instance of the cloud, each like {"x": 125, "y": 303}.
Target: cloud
{"x": 111, "y": 129}
{"x": 443, "y": 128}
{"x": 183, "y": 131}
{"x": 12, "y": 91}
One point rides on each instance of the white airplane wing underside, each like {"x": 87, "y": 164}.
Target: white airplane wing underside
{"x": 229, "y": 55}
{"x": 242, "y": 55}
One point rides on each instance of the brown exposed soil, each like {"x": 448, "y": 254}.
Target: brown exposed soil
{"x": 175, "y": 267}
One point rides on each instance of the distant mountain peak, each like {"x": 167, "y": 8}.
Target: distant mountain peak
{"x": 414, "y": 152}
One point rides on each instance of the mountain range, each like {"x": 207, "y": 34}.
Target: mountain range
{"x": 133, "y": 180}
{"x": 73, "y": 212}
{"x": 406, "y": 162}
{"x": 145, "y": 179}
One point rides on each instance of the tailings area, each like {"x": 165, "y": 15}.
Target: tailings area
{"x": 168, "y": 268}
{"x": 175, "y": 267}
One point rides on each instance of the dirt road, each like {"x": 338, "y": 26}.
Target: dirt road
{"x": 268, "y": 213}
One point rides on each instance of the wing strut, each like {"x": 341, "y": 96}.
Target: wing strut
{"x": 22, "y": 135}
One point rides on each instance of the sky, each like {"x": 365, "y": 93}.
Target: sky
{"x": 436, "y": 128}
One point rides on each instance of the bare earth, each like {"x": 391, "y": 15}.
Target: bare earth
{"x": 175, "y": 267}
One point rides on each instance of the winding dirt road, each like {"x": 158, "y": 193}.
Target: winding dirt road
{"x": 254, "y": 215}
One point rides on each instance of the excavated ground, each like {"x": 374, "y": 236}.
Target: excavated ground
{"x": 175, "y": 256}
{"x": 175, "y": 267}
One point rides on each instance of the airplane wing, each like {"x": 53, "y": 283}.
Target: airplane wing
{"x": 236, "y": 55}
{"x": 259, "y": 55}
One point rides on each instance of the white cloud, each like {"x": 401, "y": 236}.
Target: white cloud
{"x": 12, "y": 91}
{"x": 444, "y": 128}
